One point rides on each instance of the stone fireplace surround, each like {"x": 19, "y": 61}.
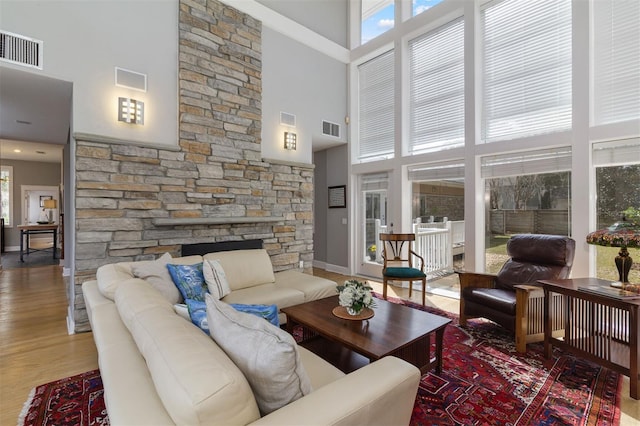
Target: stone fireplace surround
{"x": 135, "y": 201}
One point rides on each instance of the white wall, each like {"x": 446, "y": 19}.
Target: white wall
{"x": 327, "y": 18}
{"x": 304, "y": 82}
{"x": 85, "y": 40}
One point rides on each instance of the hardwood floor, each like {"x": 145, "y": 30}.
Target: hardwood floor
{"x": 35, "y": 347}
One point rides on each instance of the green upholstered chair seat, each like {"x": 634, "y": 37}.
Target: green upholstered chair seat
{"x": 403, "y": 272}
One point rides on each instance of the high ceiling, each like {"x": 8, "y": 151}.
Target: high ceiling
{"x": 35, "y": 116}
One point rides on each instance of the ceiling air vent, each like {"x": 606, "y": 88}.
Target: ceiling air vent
{"x": 20, "y": 50}
{"x": 330, "y": 129}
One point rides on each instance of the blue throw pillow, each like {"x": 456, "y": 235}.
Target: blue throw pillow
{"x": 268, "y": 312}
{"x": 198, "y": 313}
{"x": 189, "y": 280}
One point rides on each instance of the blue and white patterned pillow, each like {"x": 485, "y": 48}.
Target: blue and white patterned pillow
{"x": 189, "y": 280}
{"x": 268, "y": 312}
{"x": 198, "y": 313}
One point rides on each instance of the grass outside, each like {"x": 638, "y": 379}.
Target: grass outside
{"x": 496, "y": 255}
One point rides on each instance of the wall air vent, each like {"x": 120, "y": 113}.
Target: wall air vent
{"x": 20, "y": 50}
{"x": 330, "y": 129}
{"x": 131, "y": 79}
{"x": 287, "y": 119}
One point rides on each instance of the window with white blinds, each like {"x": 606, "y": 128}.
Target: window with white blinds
{"x": 375, "y": 181}
{"x": 441, "y": 170}
{"x": 616, "y": 61}
{"x": 376, "y": 107}
{"x": 527, "y": 68}
{"x": 526, "y": 163}
{"x": 616, "y": 153}
{"x": 436, "y": 86}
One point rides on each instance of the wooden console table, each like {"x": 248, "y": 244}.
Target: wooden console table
{"x": 30, "y": 229}
{"x": 599, "y": 328}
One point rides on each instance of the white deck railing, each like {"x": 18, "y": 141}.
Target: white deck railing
{"x": 436, "y": 242}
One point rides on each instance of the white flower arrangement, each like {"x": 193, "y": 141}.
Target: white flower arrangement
{"x": 355, "y": 296}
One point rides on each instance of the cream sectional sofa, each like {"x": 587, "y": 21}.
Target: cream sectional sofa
{"x": 160, "y": 369}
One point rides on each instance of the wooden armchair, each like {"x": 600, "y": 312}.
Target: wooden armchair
{"x": 397, "y": 254}
{"x": 513, "y": 298}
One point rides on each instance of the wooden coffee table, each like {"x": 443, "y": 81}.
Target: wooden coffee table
{"x": 394, "y": 330}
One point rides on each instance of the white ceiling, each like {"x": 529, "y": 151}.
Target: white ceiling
{"x": 35, "y": 116}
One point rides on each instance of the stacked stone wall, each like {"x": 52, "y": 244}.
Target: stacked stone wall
{"x": 216, "y": 171}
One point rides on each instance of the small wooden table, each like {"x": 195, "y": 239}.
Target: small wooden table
{"x": 599, "y": 328}
{"x": 30, "y": 229}
{"x": 394, "y": 330}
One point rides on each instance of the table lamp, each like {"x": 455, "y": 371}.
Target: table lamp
{"x": 50, "y": 204}
{"x": 621, "y": 234}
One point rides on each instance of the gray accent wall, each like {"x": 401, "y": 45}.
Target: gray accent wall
{"x": 331, "y": 237}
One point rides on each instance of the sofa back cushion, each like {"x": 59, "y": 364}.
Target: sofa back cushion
{"x": 111, "y": 276}
{"x": 195, "y": 380}
{"x": 245, "y": 268}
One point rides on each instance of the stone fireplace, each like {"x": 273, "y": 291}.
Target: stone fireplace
{"x": 136, "y": 201}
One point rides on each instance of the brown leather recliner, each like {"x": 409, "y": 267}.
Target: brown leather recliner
{"x": 512, "y": 298}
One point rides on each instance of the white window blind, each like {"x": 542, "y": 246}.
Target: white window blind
{"x": 616, "y": 153}
{"x": 437, "y": 171}
{"x": 376, "y": 107}
{"x": 436, "y": 79}
{"x": 375, "y": 181}
{"x": 616, "y": 61}
{"x": 526, "y": 163}
{"x": 527, "y": 68}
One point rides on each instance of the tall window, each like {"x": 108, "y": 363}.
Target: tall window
{"x": 436, "y": 79}
{"x": 420, "y": 6}
{"x": 527, "y": 68}
{"x": 377, "y": 18}
{"x": 618, "y": 191}
{"x": 616, "y": 53}
{"x": 526, "y": 193}
{"x": 374, "y": 198}
{"x": 376, "y": 108}
{"x": 6, "y": 193}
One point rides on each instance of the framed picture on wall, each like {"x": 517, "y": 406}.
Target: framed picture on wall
{"x": 43, "y": 198}
{"x": 338, "y": 196}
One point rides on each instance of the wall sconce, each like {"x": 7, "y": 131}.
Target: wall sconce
{"x": 290, "y": 140}
{"x": 130, "y": 111}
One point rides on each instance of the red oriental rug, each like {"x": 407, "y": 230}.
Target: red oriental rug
{"x": 485, "y": 381}
{"x": 72, "y": 401}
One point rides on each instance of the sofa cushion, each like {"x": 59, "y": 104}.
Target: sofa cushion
{"x": 189, "y": 280}
{"x": 215, "y": 278}
{"x": 313, "y": 288}
{"x": 194, "y": 378}
{"x": 268, "y": 294}
{"x": 156, "y": 273}
{"x": 112, "y": 275}
{"x": 245, "y": 268}
{"x": 267, "y": 355}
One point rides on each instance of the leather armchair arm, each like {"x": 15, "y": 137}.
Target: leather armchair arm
{"x": 474, "y": 279}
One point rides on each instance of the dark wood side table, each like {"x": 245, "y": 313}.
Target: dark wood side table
{"x": 32, "y": 228}
{"x": 599, "y": 328}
